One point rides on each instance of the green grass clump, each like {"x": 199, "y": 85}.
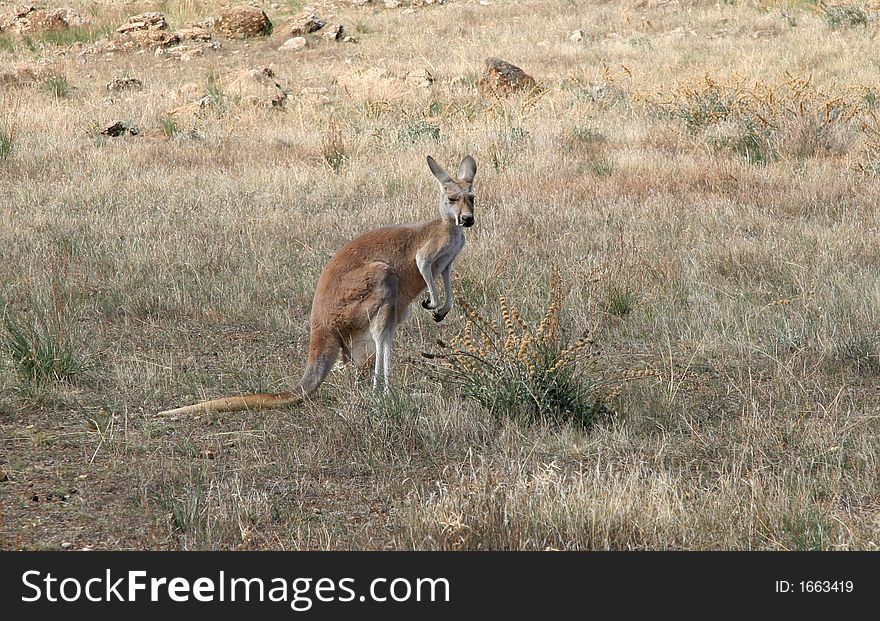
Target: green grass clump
{"x": 58, "y": 86}
{"x": 333, "y": 150}
{"x": 69, "y": 36}
{"x": 846, "y": 16}
{"x": 40, "y": 352}
{"x": 417, "y": 131}
{"x": 7, "y": 144}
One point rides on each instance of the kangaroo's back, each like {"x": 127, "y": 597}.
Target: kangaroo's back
{"x": 351, "y": 274}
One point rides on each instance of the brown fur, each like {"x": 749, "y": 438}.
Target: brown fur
{"x": 365, "y": 291}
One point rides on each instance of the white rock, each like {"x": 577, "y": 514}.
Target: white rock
{"x": 333, "y": 33}
{"x": 577, "y": 36}
{"x": 294, "y": 43}
{"x": 422, "y": 78}
{"x": 191, "y": 54}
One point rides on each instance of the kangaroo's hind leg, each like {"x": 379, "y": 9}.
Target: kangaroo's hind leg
{"x": 382, "y": 329}
{"x": 382, "y": 309}
{"x": 360, "y": 351}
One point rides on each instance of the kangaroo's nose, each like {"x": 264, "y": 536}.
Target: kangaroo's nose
{"x": 467, "y": 220}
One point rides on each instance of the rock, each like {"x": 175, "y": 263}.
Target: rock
{"x": 349, "y": 40}
{"x": 420, "y": 77}
{"x": 254, "y": 87}
{"x": 205, "y": 24}
{"x": 243, "y": 21}
{"x": 195, "y": 33}
{"x": 194, "y": 108}
{"x": 120, "y": 128}
{"x": 108, "y": 46}
{"x": 124, "y": 84}
{"x": 184, "y": 53}
{"x": 27, "y": 75}
{"x": 154, "y": 38}
{"x": 502, "y": 78}
{"x": 55, "y": 20}
{"x": 393, "y": 4}
{"x": 373, "y": 84}
{"x": 361, "y": 2}
{"x": 301, "y": 25}
{"x": 190, "y": 54}
{"x": 144, "y": 21}
{"x": 147, "y": 30}
{"x": 577, "y": 36}
{"x": 191, "y": 90}
{"x": 295, "y": 43}
{"x": 251, "y": 87}
{"x": 317, "y": 93}
{"x": 333, "y": 33}
{"x": 18, "y": 77}
{"x": 28, "y": 19}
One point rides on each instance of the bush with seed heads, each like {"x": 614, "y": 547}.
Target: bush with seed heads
{"x": 760, "y": 121}
{"x": 529, "y": 372}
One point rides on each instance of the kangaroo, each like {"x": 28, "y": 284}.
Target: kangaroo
{"x": 365, "y": 291}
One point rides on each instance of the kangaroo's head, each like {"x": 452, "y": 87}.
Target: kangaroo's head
{"x": 457, "y": 195}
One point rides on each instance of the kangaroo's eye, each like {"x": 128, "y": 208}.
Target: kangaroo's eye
{"x": 453, "y": 199}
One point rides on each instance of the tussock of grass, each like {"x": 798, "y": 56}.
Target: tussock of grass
{"x": 334, "y": 149}
{"x": 420, "y": 130}
{"x": 7, "y": 42}
{"x": 40, "y": 353}
{"x": 58, "y": 86}
{"x": 845, "y": 16}
{"x": 169, "y": 127}
{"x": 9, "y": 114}
{"x": 7, "y": 143}
{"x": 761, "y": 122}
{"x": 70, "y": 36}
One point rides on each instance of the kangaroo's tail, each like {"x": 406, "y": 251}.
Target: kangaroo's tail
{"x": 321, "y": 358}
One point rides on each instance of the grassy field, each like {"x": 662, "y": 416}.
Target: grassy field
{"x": 694, "y": 191}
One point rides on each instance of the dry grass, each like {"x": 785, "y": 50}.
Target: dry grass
{"x": 703, "y": 177}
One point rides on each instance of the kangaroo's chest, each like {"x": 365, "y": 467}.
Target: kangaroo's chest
{"x": 448, "y": 254}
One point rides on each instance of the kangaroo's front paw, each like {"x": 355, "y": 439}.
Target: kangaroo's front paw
{"x": 439, "y": 315}
{"x": 426, "y": 304}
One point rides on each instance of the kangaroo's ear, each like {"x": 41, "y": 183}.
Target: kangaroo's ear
{"x": 468, "y": 169}
{"x": 442, "y": 175}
